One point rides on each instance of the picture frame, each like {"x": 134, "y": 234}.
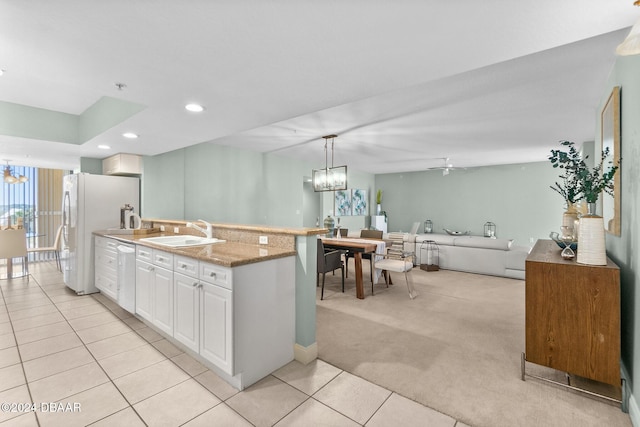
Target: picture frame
{"x": 358, "y": 202}
{"x": 343, "y": 202}
{"x": 610, "y": 138}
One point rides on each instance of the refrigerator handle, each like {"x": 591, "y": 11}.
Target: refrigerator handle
{"x": 66, "y": 217}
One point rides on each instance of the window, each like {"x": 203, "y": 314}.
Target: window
{"x": 34, "y": 205}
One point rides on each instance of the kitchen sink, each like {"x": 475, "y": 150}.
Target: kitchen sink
{"x": 178, "y": 241}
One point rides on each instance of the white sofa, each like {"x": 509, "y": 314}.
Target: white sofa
{"x": 473, "y": 254}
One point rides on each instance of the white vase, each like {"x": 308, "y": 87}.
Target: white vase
{"x": 591, "y": 243}
{"x": 378, "y": 209}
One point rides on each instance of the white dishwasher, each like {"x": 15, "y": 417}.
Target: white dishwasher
{"x": 127, "y": 277}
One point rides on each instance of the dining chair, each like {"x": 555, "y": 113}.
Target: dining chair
{"x": 55, "y": 248}
{"x": 13, "y": 244}
{"x": 328, "y": 261}
{"x": 364, "y": 234}
{"x": 343, "y": 232}
{"x": 398, "y": 261}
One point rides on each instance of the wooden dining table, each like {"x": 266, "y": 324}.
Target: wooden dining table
{"x": 358, "y": 247}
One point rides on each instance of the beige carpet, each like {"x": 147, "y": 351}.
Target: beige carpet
{"x": 456, "y": 348}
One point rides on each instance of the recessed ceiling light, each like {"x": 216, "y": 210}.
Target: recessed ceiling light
{"x": 104, "y": 147}
{"x": 130, "y": 135}
{"x": 194, "y": 108}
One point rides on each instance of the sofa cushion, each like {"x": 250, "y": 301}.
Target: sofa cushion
{"x": 440, "y": 239}
{"x": 483, "y": 242}
{"x": 516, "y": 257}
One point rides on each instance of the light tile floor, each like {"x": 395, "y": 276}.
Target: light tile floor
{"x": 92, "y": 363}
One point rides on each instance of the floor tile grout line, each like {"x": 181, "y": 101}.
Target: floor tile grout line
{"x": 222, "y": 401}
{"x": 102, "y": 369}
{"x": 190, "y": 377}
{"x": 92, "y": 355}
{"x": 166, "y": 357}
{"x": 26, "y": 382}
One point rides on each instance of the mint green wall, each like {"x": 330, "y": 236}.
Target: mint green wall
{"x": 625, "y": 250}
{"x": 226, "y": 184}
{"x": 104, "y": 114}
{"x": 18, "y": 120}
{"x": 91, "y": 165}
{"x": 222, "y": 184}
{"x": 163, "y": 186}
{"x": 517, "y": 198}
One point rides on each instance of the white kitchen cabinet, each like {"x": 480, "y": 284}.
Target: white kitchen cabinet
{"x": 186, "y": 317}
{"x": 203, "y": 315}
{"x": 154, "y": 287}
{"x": 106, "y": 266}
{"x": 239, "y": 322}
{"x": 122, "y": 164}
{"x": 216, "y": 326}
{"x": 144, "y": 281}
{"x": 162, "y": 300}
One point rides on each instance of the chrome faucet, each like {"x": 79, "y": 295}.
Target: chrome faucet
{"x": 208, "y": 232}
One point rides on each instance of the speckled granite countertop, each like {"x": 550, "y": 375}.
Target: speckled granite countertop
{"x": 227, "y": 254}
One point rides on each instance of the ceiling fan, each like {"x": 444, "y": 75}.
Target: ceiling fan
{"x": 448, "y": 166}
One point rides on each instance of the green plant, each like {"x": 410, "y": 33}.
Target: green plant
{"x": 579, "y": 182}
{"x": 379, "y": 197}
{"x": 569, "y": 162}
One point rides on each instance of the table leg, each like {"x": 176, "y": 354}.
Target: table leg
{"x": 358, "y": 266}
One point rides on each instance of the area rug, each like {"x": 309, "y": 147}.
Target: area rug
{"x": 456, "y": 348}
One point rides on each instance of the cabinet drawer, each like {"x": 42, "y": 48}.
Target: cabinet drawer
{"x": 106, "y": 243}
{"x": 143, "y": 253}
{"x": 185, "y": 265}
{"x": 106, "y": 260}
{"x": 107, "y": 285}
{"x": 215, "y": 274}
{"x": 163, "y": 259}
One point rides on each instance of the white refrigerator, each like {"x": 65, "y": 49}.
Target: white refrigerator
{"x": 90, "y": 202}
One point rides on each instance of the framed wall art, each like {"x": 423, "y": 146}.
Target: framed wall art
{"x": 343, "y": 203}
{"x": 358, "y": 202}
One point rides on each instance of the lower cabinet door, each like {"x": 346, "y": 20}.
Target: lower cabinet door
{"x": 216, "y": 326}
{"x": 144, "y": 281}
{"x": 162, "y": 300}
{"x": 107, "y": 285}
{"x": 186, "y": 315}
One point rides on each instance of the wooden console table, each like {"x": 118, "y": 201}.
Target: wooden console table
{"x": 572, "y": 317}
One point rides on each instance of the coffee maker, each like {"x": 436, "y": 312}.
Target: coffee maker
{"x": 125, "y": 216}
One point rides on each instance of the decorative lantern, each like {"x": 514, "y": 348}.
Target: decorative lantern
{"x": 490, "y": 230}
{"x": 429, "y": 256}
{"x": 428, "y": 226}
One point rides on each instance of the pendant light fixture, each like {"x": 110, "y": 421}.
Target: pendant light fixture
{"x": 9, "y": 178}
{"x": 631, "y": 45}
{"x": 330, "y": 178}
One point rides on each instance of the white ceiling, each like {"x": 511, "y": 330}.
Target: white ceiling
{"x": 403, "y": 83}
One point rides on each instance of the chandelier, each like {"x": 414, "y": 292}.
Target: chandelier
{"x": 10, "y": 178}
{"x": 330, "y": 178}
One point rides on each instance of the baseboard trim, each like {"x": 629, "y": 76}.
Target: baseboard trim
{"x": 634, "y": 411}
{"x": 631, "y": 403}
{"x": 307, "y": 354}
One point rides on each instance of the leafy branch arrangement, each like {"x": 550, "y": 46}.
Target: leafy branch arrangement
{"x": 379, "y": 197}
{"x": 569, "y": 161}
{"x": 578, "y": 181}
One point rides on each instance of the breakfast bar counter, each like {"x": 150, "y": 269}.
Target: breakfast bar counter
{"x": 226, "y": 254}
